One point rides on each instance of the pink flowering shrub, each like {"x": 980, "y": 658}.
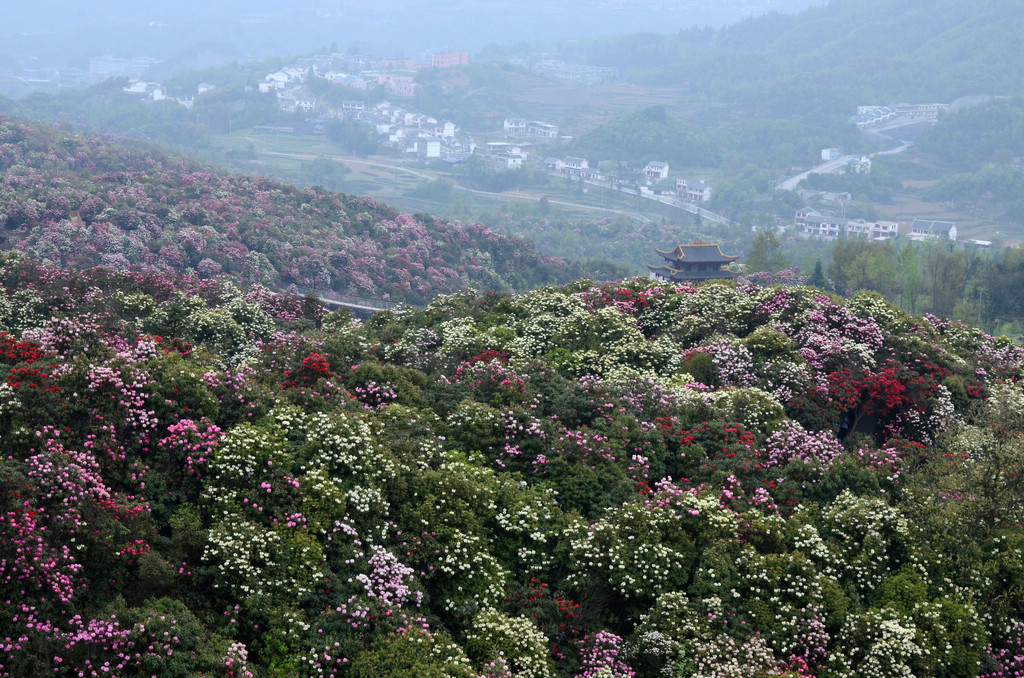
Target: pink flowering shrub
{"x": 792, "y": 443}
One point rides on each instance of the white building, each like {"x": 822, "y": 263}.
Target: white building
{"x": 693, "y": 191}
{"x": 923, "y": 228}
{"x": 656, "y": 171}
{"x": 812, "y": 222}
{"x": 515, "y": 126}
{"x": 542, "y": 129}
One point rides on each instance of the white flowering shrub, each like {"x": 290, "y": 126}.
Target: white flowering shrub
{"x": 5, "y": 310}
{"x": 459, "y": 337}
{"x": 254, "y": 561}
{"x": 531, "y": 525}
{"x": 869, "y": 538}
{"x": 637, "y": 551}
{"x": 452, "y": 551}
{"x": 476, "y": 426}
{"x": 784, "y": 595}
{"x": 245, "y": 454}
{"x": 694, "y": 314}
{"x": 516, "y": 640}
{"x": 880, "y": 643}
{"x": 413, "y": 652}
{"x": 24, "y": 310}
{"x": 667, "y": 633}
{"x": 1005, "y": 406}
{"x": 868, "y": 304}
{"x": 725, "y": 656}
{"x": 172, "y": 317}
{"x": 9, "y": 400}
{"x": 345, "y": 447}
{"x": 755, "y": 409}
{"x": 134, "y": 305}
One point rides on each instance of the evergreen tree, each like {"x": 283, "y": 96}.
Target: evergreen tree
{"x": 818, "y": 278}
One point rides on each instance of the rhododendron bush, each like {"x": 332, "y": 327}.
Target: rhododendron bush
{"x": 632, "y": 479}
{"x": 81, "y": 201}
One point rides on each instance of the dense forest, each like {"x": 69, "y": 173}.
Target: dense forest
{"x": 632, "y": 479}
{"x": 723, "y": 145}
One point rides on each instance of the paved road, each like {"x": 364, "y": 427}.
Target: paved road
{"x": 824, "y": 168}
{"x": 790, "y": 184}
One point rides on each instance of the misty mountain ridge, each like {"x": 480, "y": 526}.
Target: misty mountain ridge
{"x": 52, "y": 32}
{"x": 854, "y": 52}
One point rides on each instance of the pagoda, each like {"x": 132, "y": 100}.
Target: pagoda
{"x": 699, "y": 261}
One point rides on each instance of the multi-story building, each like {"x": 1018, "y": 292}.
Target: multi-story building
{"x": 523, "y": 127}
{"x": 515, "y": 126}
{"x": 450, "y": 59}
{"x": 542, "y": 129}
{"x": 656, "y": 171}
{"x": 812, "y": 222}
{"x": 693, "y": 191}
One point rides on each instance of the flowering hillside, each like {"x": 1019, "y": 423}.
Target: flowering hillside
{"x": 617, "y": 480}
{"x": 82, "y": 201}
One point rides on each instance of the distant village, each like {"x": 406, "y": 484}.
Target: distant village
{"x": 811, "y": 222}
{"x": 417, "y": 135}
{"x": 288, "y": 84}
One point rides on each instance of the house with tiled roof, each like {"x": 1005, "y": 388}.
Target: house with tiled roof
{"x": 924, "y": 228}
{"x": 812, "y": 222}
{"x": 656, "y": 171}
{"x": 693, "y": 191}
{"x": 697, "y": 261}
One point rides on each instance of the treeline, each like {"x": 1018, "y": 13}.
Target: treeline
{"x": 974, "y": 285}
{"x": 984, "y": 144}
{"x": 649, "y": 134}
{"x": 105, "y": 108}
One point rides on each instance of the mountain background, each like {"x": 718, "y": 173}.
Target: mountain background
{"x": 69, "y": 32}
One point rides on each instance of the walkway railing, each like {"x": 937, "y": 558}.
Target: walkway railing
{"x": 373, "y": 305}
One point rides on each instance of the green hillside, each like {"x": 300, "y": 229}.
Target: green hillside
{"x": 847, "y": 52}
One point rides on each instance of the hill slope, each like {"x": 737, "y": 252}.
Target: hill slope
{"x": 849, "y": 52}
{"x": 81, "y": 201}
